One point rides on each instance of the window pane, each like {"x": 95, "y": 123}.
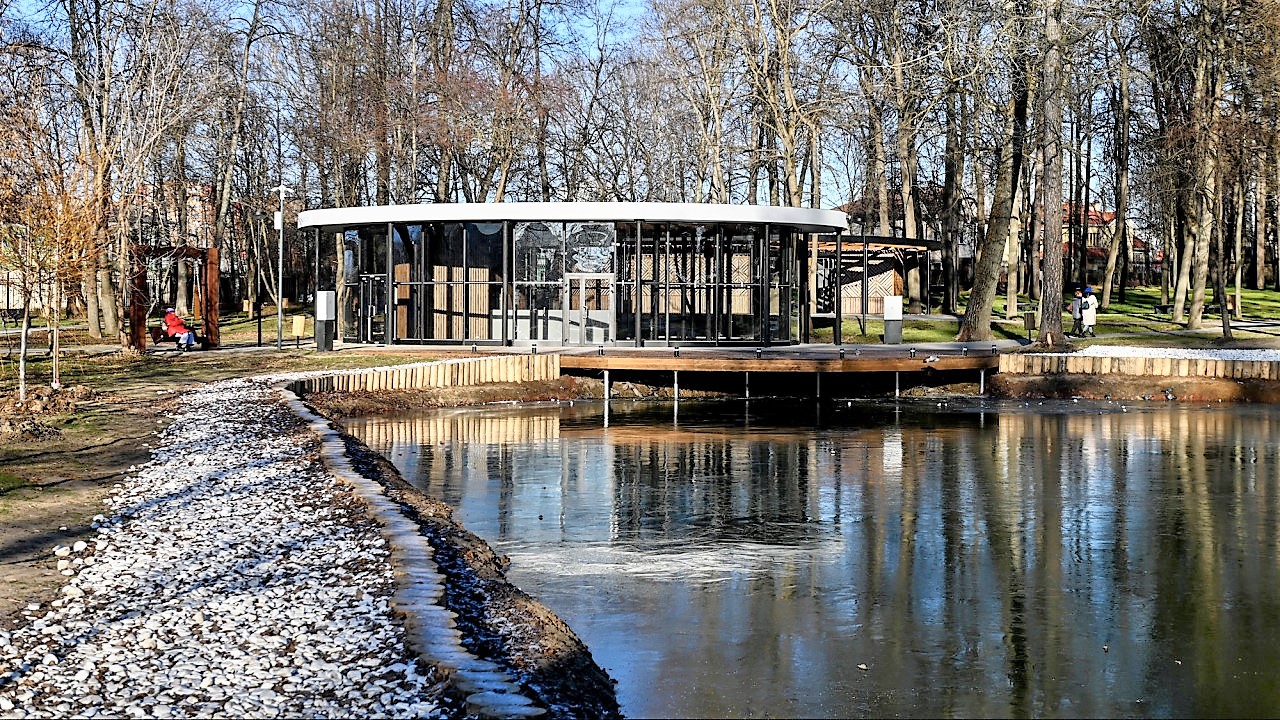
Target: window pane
{"x": 590, "y": 247}
{"x": 539, "y": 251}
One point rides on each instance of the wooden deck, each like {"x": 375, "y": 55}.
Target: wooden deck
{"x": 825, "y": 359}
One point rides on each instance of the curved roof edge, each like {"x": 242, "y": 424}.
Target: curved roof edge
{"x": 804, "y": 219}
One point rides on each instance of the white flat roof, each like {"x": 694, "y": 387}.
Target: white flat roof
{"x": 804, "y": 219}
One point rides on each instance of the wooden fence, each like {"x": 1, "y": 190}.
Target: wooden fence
{"x": 1047, "y": 364}
{"x": 444, "y": 373}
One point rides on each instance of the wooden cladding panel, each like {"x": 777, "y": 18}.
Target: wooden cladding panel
{"x": 444, "y": 373}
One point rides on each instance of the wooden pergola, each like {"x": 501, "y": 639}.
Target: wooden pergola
{"x": 206, "y": 305}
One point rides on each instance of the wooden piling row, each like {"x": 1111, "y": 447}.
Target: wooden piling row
{"x": 1048, "y": 364}
{"x": 458, "y": 372}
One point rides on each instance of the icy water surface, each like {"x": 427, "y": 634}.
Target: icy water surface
{"x": 969, "y": 559}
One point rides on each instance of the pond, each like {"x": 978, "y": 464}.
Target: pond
{"x": 924, "y": 558}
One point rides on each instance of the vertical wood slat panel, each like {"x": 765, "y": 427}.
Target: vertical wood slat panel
{"x": 460, "y": 373}
{"x": 1057, "y": 364}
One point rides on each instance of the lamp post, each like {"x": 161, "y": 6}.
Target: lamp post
{"x": 280, "y": 267}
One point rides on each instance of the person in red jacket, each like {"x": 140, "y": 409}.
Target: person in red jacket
{"x": 175, "y": 327}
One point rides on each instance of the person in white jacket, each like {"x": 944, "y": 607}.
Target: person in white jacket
{"x": 1089, "y": 312}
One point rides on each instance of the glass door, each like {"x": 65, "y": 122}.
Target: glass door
{"x": 589, "y": 317}
{"x": 371, "y": 325}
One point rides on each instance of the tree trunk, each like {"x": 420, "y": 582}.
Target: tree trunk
{"x": 107, "y": 302}
{"x": 89, "y": 285}
{"x": 1260, "y": 227}
{"x": 54, "y": 316}
{"x": 953, "y": 173}
{"x": 1274, "y": 222}
{"x": 1051, "y": 335}
{"x": 976, "y": 325}
{"x": 22, "y": 347}
{"x": 1083, "y": 206}
{"x": 220, "y": 219}
{"x": 1206, "y": 175}
{"x": 1238, "y": 254}
{"x": 1120, "y": 239}
{"x": 916, "y": 301}
{"x": 1220, "y": 250}
{"x": 877, "y": 179}
{"x": 1184, "y": 219}
{"x": 1031, "y": 234}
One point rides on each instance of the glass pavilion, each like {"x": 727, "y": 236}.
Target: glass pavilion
{"x": 569, "y": 273}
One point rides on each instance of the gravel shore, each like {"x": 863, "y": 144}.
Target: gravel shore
{"x": 232, "y": 576}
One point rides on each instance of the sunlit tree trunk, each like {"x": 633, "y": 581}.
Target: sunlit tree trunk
{"x": 998, "y": 238}
{"x": 1051, "y": 334}
{"x": 89, "y": 286}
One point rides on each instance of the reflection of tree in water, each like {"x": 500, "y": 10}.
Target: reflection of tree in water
{"x": 712, "y": 490}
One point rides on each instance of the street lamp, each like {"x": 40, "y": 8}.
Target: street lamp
{"x": 280, "y": 267}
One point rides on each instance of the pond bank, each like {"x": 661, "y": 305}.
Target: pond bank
{"x": 1137, "y": 373}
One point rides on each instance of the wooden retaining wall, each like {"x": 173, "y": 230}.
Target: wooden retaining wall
{"x": 442, "y": 373}
{"x": 1052, "y": 364}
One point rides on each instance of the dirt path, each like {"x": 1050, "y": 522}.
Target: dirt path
{"x": 52, "y": 489}
{"x": 55, "y": 475}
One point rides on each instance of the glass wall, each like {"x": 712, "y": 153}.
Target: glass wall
{"x": 362, "y": 294}
{"x": 784, "y": 291}
{"x": 449, "y": 282}
{"x": 557, "y": 282}
{"x": 626, "y": 290}
{"x": 537, "y": 280}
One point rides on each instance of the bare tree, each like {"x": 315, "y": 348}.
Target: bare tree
{"x": 1051, "y": 88}
{"x": 976, "y": 324}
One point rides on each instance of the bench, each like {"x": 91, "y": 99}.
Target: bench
{"x": 1211, "y": 308}
{"x": 158, "y": 337}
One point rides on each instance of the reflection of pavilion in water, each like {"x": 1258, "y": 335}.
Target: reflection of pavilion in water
{"x": 656, "y": 482}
